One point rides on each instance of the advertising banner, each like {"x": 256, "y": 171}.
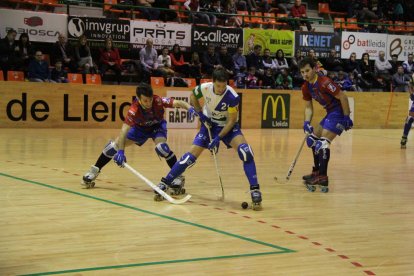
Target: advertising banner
{"x": 275, "y": 110}
{"x": 178, "y": 117}
{"x": 361, "y": 43}
{"x": 321, "y": 43}
{"x": 163, "y": 34}
{"x": 203, "y": 36}
{"x": 270, "y": 39}
{"x": 40, "y": 26}
{"x": 400, "y": 45}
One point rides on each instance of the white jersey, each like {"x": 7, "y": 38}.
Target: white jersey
{"x": 217, "y": 107}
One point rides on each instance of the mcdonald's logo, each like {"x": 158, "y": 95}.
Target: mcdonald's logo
{"x": 275, "y": 110}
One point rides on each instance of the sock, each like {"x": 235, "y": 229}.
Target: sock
{"x": 250, "y": 171}
{"x": 102, "y": 161}
{"x": 179, "y": 167}
{"x": 407, "y": 125}
{"x": 171, "y": 159}
{"x": 315, "y": 159}
{"x": 324, "y": 155}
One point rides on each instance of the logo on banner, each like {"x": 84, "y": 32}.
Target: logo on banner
{"x": 396, "y": 47}
{"x": 33, "y": 21}
{"x": 347, "y": 43}
{"x": 275, "y": 110}
{"x": 160, "y": 31}
{"x": 232, "y": 38}
{"x": 98, "y": 28}
{"x": 76, "y": 27}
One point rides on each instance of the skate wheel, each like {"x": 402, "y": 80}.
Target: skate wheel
{"x": 310, "y": 188}
{"x": 324, "y": 189}
{"x": 256, "y": 206}
{"x": 182, "y": 191}
{"x": 158, "y": 198}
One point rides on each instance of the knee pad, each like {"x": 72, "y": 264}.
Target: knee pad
{"x": 321, "y": 144}
{"x": 311, "y": 140}
{"x": 245, "y": 152}
{"x": 163, "y": 150}
{"x": 110, "y": 149}
{"x": 188, "y": 159}
{"x": 409, "y": 120}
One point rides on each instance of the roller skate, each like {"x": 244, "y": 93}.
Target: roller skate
{"x": 177, "y": 186}
{"x": 403, "y": 142}
{"x": 315, "y": 172}
{"x": 164, "y": 186}
{"x": 256, "y": 198}
{"x": 321, "y": 180}
{"x": 88, "y": 180}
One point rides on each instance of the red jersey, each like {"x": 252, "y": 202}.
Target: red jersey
{"x": 323, "y": 91}
{"x": 138, "y": 116}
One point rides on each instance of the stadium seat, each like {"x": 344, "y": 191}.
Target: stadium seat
{"x": 191, "y": 82}
{"x": 244, "y": 16}
{"x": 15, "y": 76}
{"x": 323, "y": 8}
{"x": 409, "y": 27}
{"x": 93, "y": 79}
{"x": 157, "y": 82}
{"x": 339, "y": 23}
{"x": 205, "y": 80}
{"x": 75, "y": 78}
{"x": 351, "y": 24}
{"x": 398, "y": 27}
{"x": 1, "y": 76}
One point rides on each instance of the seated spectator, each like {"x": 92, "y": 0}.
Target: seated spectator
{"x": 110, "y": 59}
{"x": 268, "y": 79}
{"x": 59, "y": 74}
{"x": 367, "y": 77}
{"x": 24, "y": 51}
{"x": 230, "y": 8}
{"x": 38, "y": 70}
{"x": 210, "y": 61}
{"x": 62, "y": 50}
{"x": 394, "y": 63}
{"x": 83, "y": 55}
{"x": 197, "y": 16}
{"x": 226, "y": 61}
{"x": 354, "y": 81}
{"x": 298, "y": 11}
{"x": 255, "y": 60}
{"x": 280, "y": 61}
{"x": 8, "y": 52}
{"x": 344, "y": 82}
{"x": 164, "y": 63}
{"x": 148, "y": 12}
{"x": 149, "y": 61}
{"x": 351, "y": 66}
{"x": 400, "y": 81}
{"x": 295, "y": 72}
{"x": 251, "y": 80}
{"x": 239, "y": 61}
{"x": 284, "y": 6}
{"x": 240, "y": 78}
{"x": 268, "y": 62}
{"x": 166, "y": 14}
{"x": 284, "y": 81}
{"x": 178, "y": 63}
{"x": 195, "y": 66}
{"x": 319, "y": 66}
{"x": 408, "y": 65}
{"x": 382, "y": 70}
{"x": 333, "y": 62}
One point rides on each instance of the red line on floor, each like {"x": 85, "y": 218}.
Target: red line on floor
{"x": 316, "y": 243}
{"x": 343, "y": 256}
{"x": 303, "y": 237}
{"x": 329, "y": 249}
{"x": 369, "y": 272}
{"x": 356, "y": 264}
{"x": 247, "y": 217}
{"x": 289, "y": 232}
{"x": 261, "y": 221}
{"x": 275, "y": 226}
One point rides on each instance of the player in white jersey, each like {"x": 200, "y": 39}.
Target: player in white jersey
{"x": 220, "y": 113}
{"x": 410, "y": 118}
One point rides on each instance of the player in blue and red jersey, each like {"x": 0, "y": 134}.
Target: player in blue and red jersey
{"x": 410, "y": 118}
{"x": 144, "y": 120}
{"x": 323, "y": 90}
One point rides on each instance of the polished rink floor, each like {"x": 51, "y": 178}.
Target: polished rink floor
{"x": 49, "y": 224}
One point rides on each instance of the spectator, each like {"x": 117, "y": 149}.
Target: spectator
{"x": 195, "y": 66}
{"x": 230, "y": 8}
{"x": 59, "y": 74}
{"x": 295, "y": 72}
{"x": 199, "y": 17}
{"x": 298, "y": 11}
{"x": 110, "y": 59}
{"x": 268, "y": 62}
{"x": 148, "y": 12}
{"x": 367, "y": 71}
{"x": 149, "y": 61}
{"x": 394, "y": 63}
{"x": 24, "y": 51}
{"x": 319, "y": 67}
{"x": 240, "y": 78}
{"x": 83, "y": 55}
{"x": 251, "y": 80}
{"x": 239, "y": 61}
{"x": 166, "y": 14}
{"x": 178, "y": 63}
{"x": 400, "y": 80}
{"x": 268, "y": 79}
{"x": 38, "y": 70}
{"x": 283, "y": 80}
{"x": 63, "y": 51}
{"x": 8, "y": 53}
{"x": 354, "y": 81}
{"x": 351, "y": 65}
{"x": 164, "y": 63}
{"x": 408, "y": 65}
{"x": 280, "y": 61}
{"x": 226, "y": 61}
{"x": 209, "y": 61}
{"x": 382, "y": 70}
{"x": 333, "y": 61}
{"x": 344, "y": 82}
{"x": 255, "y": 60}
{"x": 285, "y": 6}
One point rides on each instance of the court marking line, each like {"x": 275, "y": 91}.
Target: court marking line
{"x": 282, "y": 249}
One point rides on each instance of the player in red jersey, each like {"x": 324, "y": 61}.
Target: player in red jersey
{"x": 323, "y": 90}
{"x": 144, "y": 120}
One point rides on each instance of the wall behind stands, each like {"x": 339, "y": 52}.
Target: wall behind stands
{"x": 45, "y": 105}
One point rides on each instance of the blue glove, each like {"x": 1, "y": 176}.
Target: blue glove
{"x": 120, "y": 158}
{"x": 412, "y": 97}
{"x": 347, "y": 123}
{"x": 204, "y": 119}
{"x": 307, "y": 127}
{"x": 214, "y": 143}
{"x": 192, "y": 112}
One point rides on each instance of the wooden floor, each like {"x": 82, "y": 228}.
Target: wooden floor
{"x": 49, "y": 224}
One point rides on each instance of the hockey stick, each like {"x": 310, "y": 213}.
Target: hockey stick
{"x": 292, "y": 166}
{"x": 155, "y": 188}
{"x": 216, "y": 164}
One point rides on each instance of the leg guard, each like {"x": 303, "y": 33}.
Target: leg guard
{"x": 407, "y": 125}
{"x": 110, "y": 149}
{"x": 186, "y": 161}
{"x": 311, "y": 140}
{"x": 163, "y": 150}
{"x": 322, "y": 147}
{"x": 249, "y": 166}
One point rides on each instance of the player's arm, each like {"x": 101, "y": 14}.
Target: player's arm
{"x": 343, "y": 98}
{"x": 181, "y": 104}
{"x": 308, "y": 111}
{"x": 232, "y": 120}
{"x": 122, "y": 136}
{"x": 194, "y": 100}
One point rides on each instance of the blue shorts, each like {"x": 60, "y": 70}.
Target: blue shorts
{"x": 412, "y": 107}
{"x": 140, "y": 135}
{"x": 333, "y": 122}
{"x": 202, "y": 139}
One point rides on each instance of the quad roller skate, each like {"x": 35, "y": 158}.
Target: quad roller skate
{"x": 88, "y": 180}
{"x": 177, "y": 186}
{"x": 164, "y": 187}
{"x": 403, "y": 142}
{"x": 256, "y": 198}
{"x": 320, "y": 180}
{"x": 314, "y": 173}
